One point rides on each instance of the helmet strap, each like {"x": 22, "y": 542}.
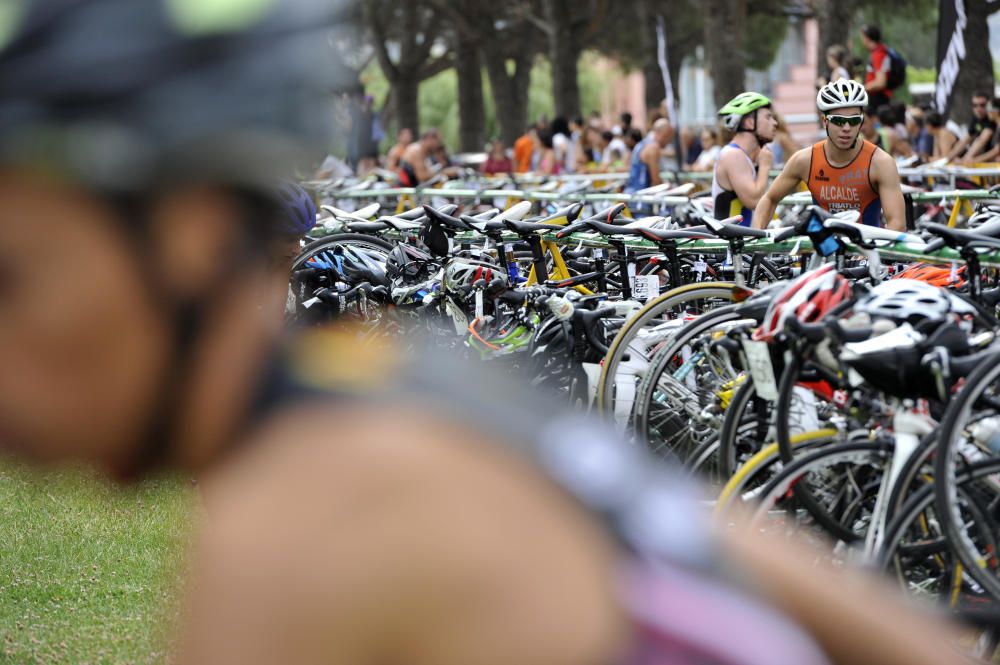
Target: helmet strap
{"x": 187, "y": 319}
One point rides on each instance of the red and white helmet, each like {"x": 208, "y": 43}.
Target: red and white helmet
{"x": 808, "y": 298}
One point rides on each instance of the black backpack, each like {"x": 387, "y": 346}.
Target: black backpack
{"x": 897, "y": 69}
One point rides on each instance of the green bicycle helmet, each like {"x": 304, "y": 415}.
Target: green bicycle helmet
{"x": 741, "y": 105}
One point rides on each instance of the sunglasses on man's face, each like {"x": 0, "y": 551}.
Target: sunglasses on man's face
{"x": 841, "y": 120}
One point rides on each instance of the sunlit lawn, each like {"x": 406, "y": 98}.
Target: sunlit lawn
{"x": 88, "y": 571}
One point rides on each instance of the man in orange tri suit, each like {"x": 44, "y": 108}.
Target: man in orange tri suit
{"x": 843, "y": 171}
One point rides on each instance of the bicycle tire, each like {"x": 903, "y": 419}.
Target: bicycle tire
{"x": 649, "y": 313}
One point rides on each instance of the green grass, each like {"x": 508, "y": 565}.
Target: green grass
{"x": 88, "y": 572}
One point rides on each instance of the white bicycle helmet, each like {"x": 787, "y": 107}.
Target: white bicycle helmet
{"x": 841, "y": 94}
{"x": 911, "y": 301}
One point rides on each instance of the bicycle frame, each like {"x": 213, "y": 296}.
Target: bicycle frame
{"x": 909, "y": 424}
{"x": 559, "y": 270}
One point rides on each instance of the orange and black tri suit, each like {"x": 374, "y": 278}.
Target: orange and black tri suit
{"x": 848, "y": 187}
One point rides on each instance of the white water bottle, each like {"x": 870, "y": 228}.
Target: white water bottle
{"x": 560, "y": 307}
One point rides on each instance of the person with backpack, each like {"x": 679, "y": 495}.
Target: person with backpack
{"x": 886, "y": 68}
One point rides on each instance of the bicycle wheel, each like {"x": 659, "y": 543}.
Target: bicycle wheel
{"x": 797, "y": 408}
{"x": 747, "y": 481}
{"x": 673, "y": 412}
{"x": 918, "y": 552}
{"x": 967, "y": 433}
{"x": 843, "y": 479}
{"x": 745, "y": 427}
{"x": 629, "y": 353}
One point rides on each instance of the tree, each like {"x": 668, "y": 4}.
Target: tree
{"x": 501, "y": 38}
{"x": 725, "y": 22}
{"x": 976, "y": 73}
{"x": 683, "y": 29}
{"x": 508, "y": 55}
{"x": 835, "y": 21}
{"x": 412, "y": 29}
{"x": 568, "y": 25}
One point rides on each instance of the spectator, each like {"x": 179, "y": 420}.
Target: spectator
{"x": 709, "y": 152}
{"x": 979, "y": 133}
{"x": 991, "y": 153}
{"x": 577, "y": 128}
{"x": 946, "y": 134}
{"x": 440, "y": 157}
{"x": 595, "y": 120}
{"x": 403, "y": 138}
{"x": 870, "y": 129}
{"x": 632, "y": 138}
{"x": 415, "y": 166}
{"x": 893, "y": 133}
{"x": 562, "y": 143}
{"x": 916, "y": 128}
{"x": 625, "y": 123}
{"x": 524, "y": 150}
{"x": 654, "y": 115}
{"x": 597, "y": 145}
{"x": 838, "y": 61}
{"x": 548, "y": 160}
{"x": 586, "y": 149}
{"x": 615, "y": 146}
{"x": 497, "y": 160}
{"x": 783, "y": 143}
{"x": 690, "y": 145}
{"x": 879, "y": 64}
{"x": 644, "y": 167}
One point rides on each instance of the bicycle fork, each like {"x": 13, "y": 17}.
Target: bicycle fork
{"x": 909, "y": 426}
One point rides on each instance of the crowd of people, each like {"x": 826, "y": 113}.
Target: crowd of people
{"x": 575, "y": 146}
{"x": 913, "y": 130}
{"x": 592, "y": 145}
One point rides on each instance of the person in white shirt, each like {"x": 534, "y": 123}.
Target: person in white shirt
{"x": 710, "y": 150}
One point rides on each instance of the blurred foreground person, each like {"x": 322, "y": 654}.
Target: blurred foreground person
{"x": 365, "y": 507}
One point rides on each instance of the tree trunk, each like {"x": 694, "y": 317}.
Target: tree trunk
{"x": 404, "y": 93}
{"x": 834, "y": 20}
{"x": 976, "y": 73}
{"x": 510, "y": 91}
{"x": 471, "y": 111}
{"x": 725, "y": 23}
{"x": 563, "y": 56}
{"x": 646, "y": 35}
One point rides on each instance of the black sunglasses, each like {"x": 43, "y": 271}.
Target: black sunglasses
{"x": 841, "y": 120}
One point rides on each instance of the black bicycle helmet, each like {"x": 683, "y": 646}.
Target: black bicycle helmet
{"x": 409, "y": 263}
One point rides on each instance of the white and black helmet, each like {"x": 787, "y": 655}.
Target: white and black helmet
{"x": 911, "y": 301}
{"x": 841, "y": 94}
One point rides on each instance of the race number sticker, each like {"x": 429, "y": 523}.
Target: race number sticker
{"x": 647, "y": 287}
{"x": 759, "y": 360}
{"x": 457, "y": 317}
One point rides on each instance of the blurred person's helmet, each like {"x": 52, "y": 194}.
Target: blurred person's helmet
{"x": 124, "y": 95}
{"x": 131, "y": 97}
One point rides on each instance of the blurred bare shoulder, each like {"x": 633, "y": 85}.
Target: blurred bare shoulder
{"x": 394, "y": 528}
